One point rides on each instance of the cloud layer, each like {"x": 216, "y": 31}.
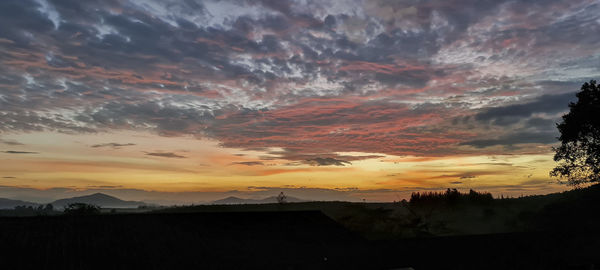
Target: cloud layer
{"x": 314, "y": 78}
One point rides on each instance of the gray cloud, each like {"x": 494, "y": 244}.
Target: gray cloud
{"x": 11, "y": 142}
{"x": 514, "y": 139}
{"x": 112, "y": 145}
{"x": 181, "y": 68}
{"x": 506, "y": 115}
{"x": 327, "y": 162}
{"x": 248, "y": 163}
{"x": 164, "y": 154}
{"x": 19, "y": 152}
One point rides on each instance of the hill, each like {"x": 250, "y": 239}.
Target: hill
{"x": 440, "y": 215}
{"x": 272, "y": 199}
{"x": 100, "y": 199}
{"x": 10, "y": 204}
{"x": 461, "y": 231}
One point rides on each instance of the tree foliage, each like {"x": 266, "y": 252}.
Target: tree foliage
{"x": 451, "y": 196}
{"x": 81, "y": 209}
{"x": 281, "y": 198}
{"x": 579, "y": 152}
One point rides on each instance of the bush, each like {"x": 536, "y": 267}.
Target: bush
{"x": 81, "y": 209}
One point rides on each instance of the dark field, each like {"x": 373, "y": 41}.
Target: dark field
{"x": 269, "y": 240}
{"x": 170, "y": 241}
{"x": 557, "y": 231}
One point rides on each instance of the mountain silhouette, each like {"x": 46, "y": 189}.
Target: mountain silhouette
{"x": 272, "y": 199}
{"x": 10, "y": 204}
{"x": 99, "y": 199}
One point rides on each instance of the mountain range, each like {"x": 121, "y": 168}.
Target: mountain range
{"x": 99, "y": 199}
{"x": 10, "y": 204}
{"x": 107, "y": 201}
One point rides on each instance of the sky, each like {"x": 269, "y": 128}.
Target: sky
{"x": 188, "y": 101}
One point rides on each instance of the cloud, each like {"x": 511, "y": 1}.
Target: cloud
{"x": 19, "y": 152}
{"x": 515, "y": 138}
{"x": 510, "y": 114}
{"x": 164, "y": 154}
{"x": 112, "y": 145}
{"x": 321, "y": 126}
{"x": 248, "y": 163}
{"x": 11, "y": 142}
{"x": 104, "y": 186}
{"x": 372, "y": 77}
{"x": 327, "y": 162}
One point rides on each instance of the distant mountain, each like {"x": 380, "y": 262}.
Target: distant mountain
{"x": 99, "y": 199}
{"x": 232, "y": 200}
{"x": 236, "y": 200}
{"x": 10, "y": 204}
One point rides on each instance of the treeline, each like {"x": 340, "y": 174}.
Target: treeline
{"x": 450, "y": 196}
{"x": 73, "y": 209}
{"x": 23, "y": 211}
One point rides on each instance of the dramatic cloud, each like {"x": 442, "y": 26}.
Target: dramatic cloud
{"x": 302, "y": 82}
{"x": 284, "y": 75}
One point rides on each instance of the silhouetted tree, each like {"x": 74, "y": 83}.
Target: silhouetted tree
{"x": 81, "y": 209}
{"x": 22, "y": 210}
{"x": 281, "y": 198}
{"x": 579, "y": 152}
{"x": 43, "y": 210}
{"x": 450, "y": 196}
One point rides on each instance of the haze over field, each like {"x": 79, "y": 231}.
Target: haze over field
{"x": 194, "y": 101}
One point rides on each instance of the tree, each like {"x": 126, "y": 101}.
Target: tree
{"x": 281, "y": 198}
{"x": 81, "y": 209}
{"x": 579, "y": 152}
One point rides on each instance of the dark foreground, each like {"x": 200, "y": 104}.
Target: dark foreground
{"x": 269, "y": 240}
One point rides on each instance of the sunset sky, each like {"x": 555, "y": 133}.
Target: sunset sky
{"x": 188, "y": 101}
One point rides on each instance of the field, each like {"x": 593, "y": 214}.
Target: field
{"x": 556, "y": 231}
{"x": 444, "y": 217}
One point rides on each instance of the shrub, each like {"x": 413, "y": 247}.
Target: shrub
{"x": 81, "y": 209}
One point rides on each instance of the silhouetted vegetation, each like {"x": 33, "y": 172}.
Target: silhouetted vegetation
{"x": 554, "y": 231}
{"x": 81, "y": 209}
{"x": 450, "y": 196}
{"x": 282, "y": 236}
{"x": 281, "y": 198}
{"x": 27, "y": 211}
{"x": 579, "y": 152}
